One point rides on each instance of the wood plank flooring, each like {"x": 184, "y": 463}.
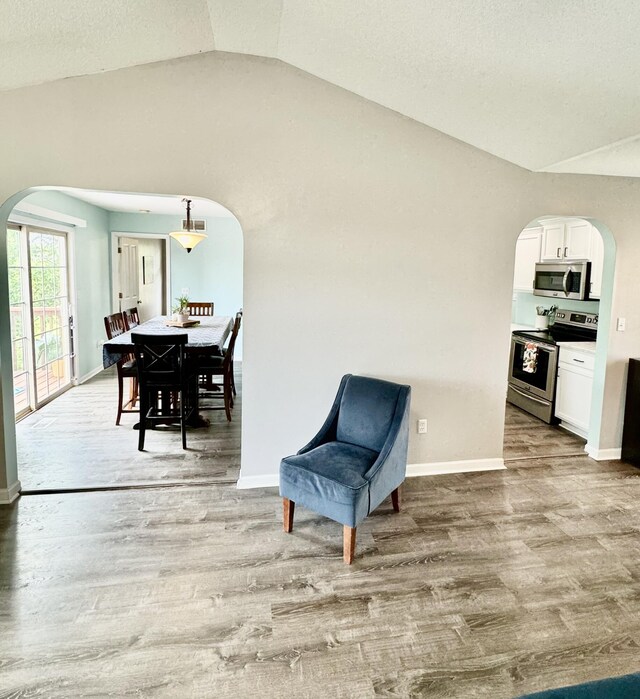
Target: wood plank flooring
{"x": 526, "y": 436}
{"x": 65, "y": 444}
{"x": 73, "y": 442}
{"x": 484, "y": 585}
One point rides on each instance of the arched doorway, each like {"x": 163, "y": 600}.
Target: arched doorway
{"x": 52, "y": 441}
{"x": 556, "y": 408}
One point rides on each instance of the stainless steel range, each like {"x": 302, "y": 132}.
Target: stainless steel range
{"x": 533, "y": 363}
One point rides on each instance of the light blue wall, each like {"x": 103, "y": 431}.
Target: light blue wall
{"x": 92, "y": 276}
{"x": 523, "y": 308}
{"x": 212, "y": 271}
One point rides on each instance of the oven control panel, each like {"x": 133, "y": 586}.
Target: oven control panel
{"x": 579, "y": 320}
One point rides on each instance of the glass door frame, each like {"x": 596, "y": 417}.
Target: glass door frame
{"x": 27, "y": 325}
{"x": 25, "y": 228}
{"x": 29, "y": 229}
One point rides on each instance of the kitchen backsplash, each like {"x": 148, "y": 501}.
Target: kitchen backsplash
{"x": 523, "y": 306}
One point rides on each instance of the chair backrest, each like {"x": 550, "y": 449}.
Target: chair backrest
{"x": 228, "y": 355}
{"x": 367, "y": 409}
{"x": 131, "y": 317}
{"x": 198, "y": 308}
{"x": 114, "y": 325}
{"x": 160, "y": 359}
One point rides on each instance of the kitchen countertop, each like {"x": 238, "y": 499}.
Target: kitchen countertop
{"x": 588, "y": 347}
{"x": 521, "y": 326}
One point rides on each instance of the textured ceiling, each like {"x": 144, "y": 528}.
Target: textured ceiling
{"x": 148, "y": 203}
{"x": 545, "y": 84}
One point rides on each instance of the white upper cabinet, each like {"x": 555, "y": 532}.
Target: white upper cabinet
{"x": 553, "y": 242}
{"x": 528, "y": 250}
{"x": 567, "y": 240}
{"x": 577, "y": 240}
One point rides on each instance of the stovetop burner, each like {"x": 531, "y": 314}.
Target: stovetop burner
{"x": 570, "y": 326}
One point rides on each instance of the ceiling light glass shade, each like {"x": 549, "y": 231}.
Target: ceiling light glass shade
{"x": 188, "y": 239}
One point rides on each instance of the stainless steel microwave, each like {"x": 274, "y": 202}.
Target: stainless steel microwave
{"x": 563, "y": 280}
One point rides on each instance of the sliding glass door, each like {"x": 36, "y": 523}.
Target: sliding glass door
{"x": 19, "y": 306}
{"x": 50, "y": 312}
{"x": 40, "y": 317}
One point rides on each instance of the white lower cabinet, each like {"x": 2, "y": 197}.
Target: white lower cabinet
{"x": 573, "y": 390}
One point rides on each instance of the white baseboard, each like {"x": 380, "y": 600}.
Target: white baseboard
{"x": 268, "y": 480}
{"x": 604, "y": 454}
{"x": 443, "y": 467}
{"x": 574, "y": 430}
{"x": 90, "y": 375}
{"x": 8, "y": 495}
{"x": 271, "y": 480}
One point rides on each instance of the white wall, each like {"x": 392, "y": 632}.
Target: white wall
{"x": 373, "y": 244}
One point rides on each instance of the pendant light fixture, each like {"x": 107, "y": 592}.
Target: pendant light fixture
{"x": 188, "y": 237}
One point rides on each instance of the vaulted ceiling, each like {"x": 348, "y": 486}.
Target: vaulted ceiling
{"x": 552, "y": 86}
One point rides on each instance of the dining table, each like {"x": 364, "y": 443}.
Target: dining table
{"x": 207, "y": 337}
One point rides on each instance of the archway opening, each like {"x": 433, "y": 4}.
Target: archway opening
{"x": 65, "y": 274}
{"x": 561, "y": 320}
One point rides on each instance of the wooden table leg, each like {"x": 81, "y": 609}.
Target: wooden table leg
{"x": 288, "y": 507}
{"x": 348, "y": 544}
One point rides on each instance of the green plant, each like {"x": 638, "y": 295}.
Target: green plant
{"x": 182, "y": 305}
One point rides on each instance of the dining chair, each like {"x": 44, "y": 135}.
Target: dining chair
{"x": 163, "y": 377}
{"x": 199, "y": 308}
{"x": 210, "y": 366}
{"x": 233, "y": 372}
{"x": 357, "y": 459}
{"x": 131, "y": 318}
{"x": 115, "y": 325}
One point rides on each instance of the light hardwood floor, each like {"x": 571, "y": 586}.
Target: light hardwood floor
{"x": 485, "y": 585}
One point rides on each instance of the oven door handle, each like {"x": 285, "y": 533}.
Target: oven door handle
{"x": 528, "y": 395}
{"x": 564, "y": 282}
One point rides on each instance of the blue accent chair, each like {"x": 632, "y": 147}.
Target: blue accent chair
{"x": 358, "y": 458}
{"x": 624, "y": 687}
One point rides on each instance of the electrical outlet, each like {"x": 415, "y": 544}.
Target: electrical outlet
{"x": 622, "y": 325}
{"x": 422, "y": 426}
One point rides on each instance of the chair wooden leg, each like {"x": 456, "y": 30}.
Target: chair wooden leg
{"x": 144, "y": 409}
{"x": 133, "y": 393}
{"x": 183, "y": 416}
{"x": 395, "y": 499}
{"x": 227, "y": 397}
{"x": 120, "y": 397}
{"x": 288, "y": 507}
{"x": 349, "y": 544}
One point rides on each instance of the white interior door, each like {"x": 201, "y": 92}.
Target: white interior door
{"x": 128, "y": 273}
{"x": 151, "y": 252}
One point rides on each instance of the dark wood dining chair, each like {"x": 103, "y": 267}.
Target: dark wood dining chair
{"x": 198, "y": 308}
{"x": 210, "y": 367}
{"x": 131, "y": 318}
{"x": 233, "y": 372}
{"x": 114, "y": 325}
{"x": 163, "y": 377}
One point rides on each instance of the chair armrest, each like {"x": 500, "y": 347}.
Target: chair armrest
{"x": 395, "y": 445}
{"x": 327, "y": 432}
